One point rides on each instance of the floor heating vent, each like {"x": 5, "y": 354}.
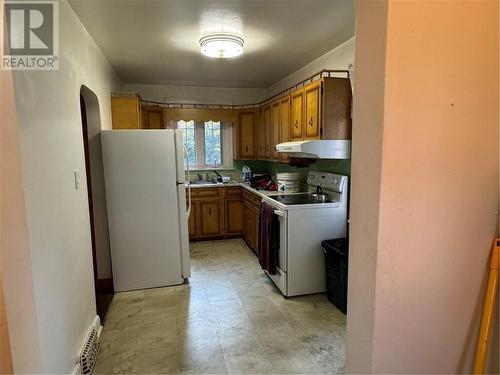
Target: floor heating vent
{"x": 89, "y": 353}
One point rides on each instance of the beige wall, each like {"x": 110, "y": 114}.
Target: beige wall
{"x": 437, "y": 143}
{"x": 338, "y": 58}
{"x": 51, "y": 140}
{"x": 197, "y": 95}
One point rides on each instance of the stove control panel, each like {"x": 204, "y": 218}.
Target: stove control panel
{"x": 327, "y": 181}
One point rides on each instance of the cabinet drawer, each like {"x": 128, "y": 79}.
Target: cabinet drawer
{"x": 247, "y": 196}
{"x": 205, "y": 193}
{"x": 232, "y": 192}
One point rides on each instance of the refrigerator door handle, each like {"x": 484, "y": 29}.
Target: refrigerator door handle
{"x": 188, "y": 212}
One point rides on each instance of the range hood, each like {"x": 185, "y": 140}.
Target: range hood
{"x": 318, "y": 149}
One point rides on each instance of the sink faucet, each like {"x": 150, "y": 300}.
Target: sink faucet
{"x": 200, "y": 177}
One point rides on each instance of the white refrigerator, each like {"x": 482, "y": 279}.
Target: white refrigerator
{"x": 146, "y": 201}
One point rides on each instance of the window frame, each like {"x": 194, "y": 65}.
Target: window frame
{"x": 226, "y": 149}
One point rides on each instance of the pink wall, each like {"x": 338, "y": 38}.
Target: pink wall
{"x": 438, "y": 200}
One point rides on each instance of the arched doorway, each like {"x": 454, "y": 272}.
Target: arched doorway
{"x": 91, "y": 129}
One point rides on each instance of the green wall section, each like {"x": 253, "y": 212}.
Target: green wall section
{"x": 324, "y": 165}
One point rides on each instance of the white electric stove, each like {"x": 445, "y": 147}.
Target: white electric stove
{"x": 304, "y": 223}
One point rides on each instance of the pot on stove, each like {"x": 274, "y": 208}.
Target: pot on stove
{"x": 319, "y": 195}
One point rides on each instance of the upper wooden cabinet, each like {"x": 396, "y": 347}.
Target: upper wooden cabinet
{"x": 245, "y": 140}
{"x": 322, "y": 110}
{"x": 261, "y": 135}
{"x": 267, "y": 128}
{"x": 275, "y": 129}
{"x": 153, "y": 117}
{"x": 297, "y": 115}
{"x": 284, "y": 125}
{"x": 312, "y": 105}
{"x": 126, "y": 112}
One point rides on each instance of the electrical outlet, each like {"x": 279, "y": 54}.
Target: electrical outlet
{"x": 76, "y": 174}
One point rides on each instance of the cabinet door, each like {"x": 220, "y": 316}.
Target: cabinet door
{"x": 246, "y": 135}
{"x": 193, "y": 221}
{"x": 210, "y": 218}
{"x": 297, "y": 115}
{"x": 275, "y": 130}
{"x": 249, "y": 227}
{"x": 312, "y": 100}
{"x": 126, "y": 113}
{"x": 153, "y": 117}
{"x": 256, "y": 215}
{"x": 233, "y": 216}
{"x": 268, "y": 131}
{"x": 284, "y": 125}
{"x": 261, "y": 136}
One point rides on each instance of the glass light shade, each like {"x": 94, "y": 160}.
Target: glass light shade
{"x": 222, "y": 46}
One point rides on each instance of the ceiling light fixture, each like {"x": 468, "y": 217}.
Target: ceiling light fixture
{"x": 221, "y": 45}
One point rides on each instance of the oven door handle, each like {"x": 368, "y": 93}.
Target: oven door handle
{"x": 279, "y": 213}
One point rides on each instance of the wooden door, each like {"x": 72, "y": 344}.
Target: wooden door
{"x": 261, "y": 135}
{"x": 297, "y": 115}
{"x": 284, "y": 125}
{"x": 233, "y": 217}
{"x": 246, "y": 135}
{"x": 153, "y": 117}
{"x": 312, "y": 100}
{"x": 275, "y": 130}
{"x": 193, "y": 221}
{"x": 267, "y": 131}
{"x": 211, "y": 218}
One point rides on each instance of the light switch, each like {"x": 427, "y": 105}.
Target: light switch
{"x": 76, "y": 174}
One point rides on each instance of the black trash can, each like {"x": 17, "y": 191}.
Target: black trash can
{"x": 336, "y": 264}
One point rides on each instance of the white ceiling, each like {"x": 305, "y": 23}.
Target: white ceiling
{"x": 156, "y": 41}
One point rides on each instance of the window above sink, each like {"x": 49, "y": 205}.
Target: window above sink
{"x": 209, "y": 144}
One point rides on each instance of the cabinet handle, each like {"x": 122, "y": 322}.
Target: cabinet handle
{"x": 209, "y": 211}
{"x": 311, "y": 122}
{"x": 296, "y": 123}
{"x": 246, "y": 148}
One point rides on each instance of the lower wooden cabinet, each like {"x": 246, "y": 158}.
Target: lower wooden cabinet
{"x": 211, "y": 218}
{"x": 216, "y": 213}
{"x": 193, "y": 221}
{"x": 233, "y": 217}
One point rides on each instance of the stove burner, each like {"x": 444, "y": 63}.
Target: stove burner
{"x": 293, "y": 199}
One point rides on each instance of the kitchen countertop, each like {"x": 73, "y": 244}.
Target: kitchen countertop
{"x": 261, "y": 193}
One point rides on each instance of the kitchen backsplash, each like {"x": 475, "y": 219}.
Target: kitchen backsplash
{"x": 324, "y": 165}
{"x": 264, "y": 166}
